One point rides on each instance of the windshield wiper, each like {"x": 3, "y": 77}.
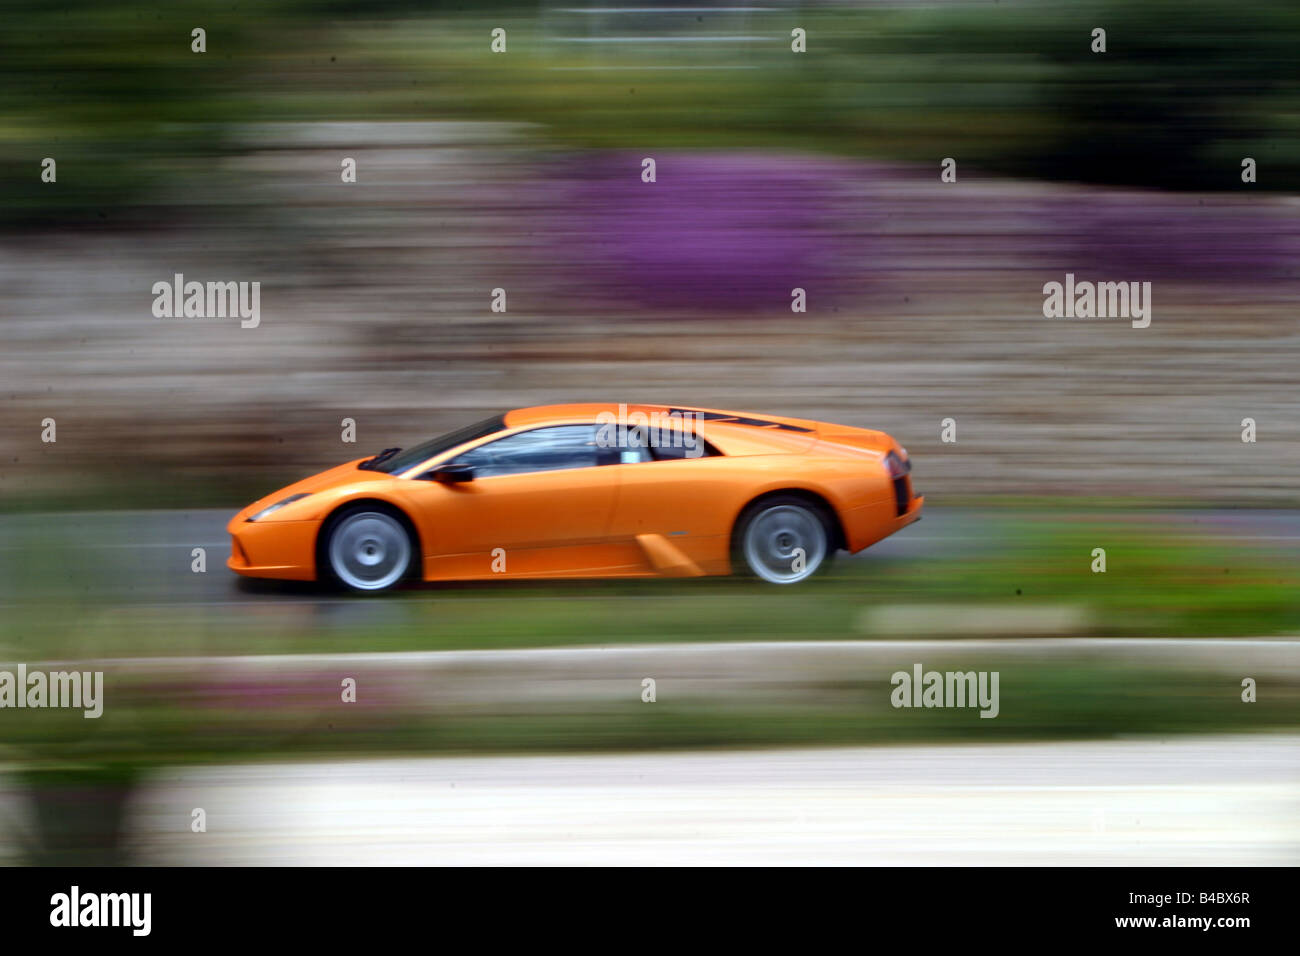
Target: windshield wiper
{"x": 370, "y": 463}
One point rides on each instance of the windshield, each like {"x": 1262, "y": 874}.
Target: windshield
{"x": 402, "y": 460}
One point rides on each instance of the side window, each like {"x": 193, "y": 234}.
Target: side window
{"x": 634, "y": 445}
{"x": 628, "y": 453}
{"x": 542, "y": 449}
{"x": 693, "y": 446}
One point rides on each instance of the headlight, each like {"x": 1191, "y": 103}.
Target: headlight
{"x": 896, "y": 466}
{"x": 275, "y": 507}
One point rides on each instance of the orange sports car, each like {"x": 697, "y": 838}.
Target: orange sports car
{"x": 587, "y": 491}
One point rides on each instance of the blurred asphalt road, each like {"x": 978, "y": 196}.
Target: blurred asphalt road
{"x": 142, "y": 558}
{"x": 1189, "y": 801}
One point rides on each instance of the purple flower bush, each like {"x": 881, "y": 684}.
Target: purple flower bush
{"x": 715, "y": 231}
{"x": 736, "y": 232}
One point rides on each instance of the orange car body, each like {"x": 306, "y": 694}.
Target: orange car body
{"x": 672, "y": 517}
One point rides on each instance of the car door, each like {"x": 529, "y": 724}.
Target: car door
{"x": 685, "y": 499}
{"x": 539, "y": 504}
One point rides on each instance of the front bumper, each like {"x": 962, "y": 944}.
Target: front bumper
{"x": 273, "y": 549}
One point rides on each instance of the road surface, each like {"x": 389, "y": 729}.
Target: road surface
{"x": 143, "y": 558}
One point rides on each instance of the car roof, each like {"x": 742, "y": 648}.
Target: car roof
{"x": 591, "y": 411}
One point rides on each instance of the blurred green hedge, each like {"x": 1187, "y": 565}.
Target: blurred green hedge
{"x": 1185, "y": 90}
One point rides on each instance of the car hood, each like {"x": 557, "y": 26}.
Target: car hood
{"x": 339, "y": 476}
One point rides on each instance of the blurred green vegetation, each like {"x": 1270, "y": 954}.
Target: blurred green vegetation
{"x": 1158, "y": 583}
{"x": 1185, "y": 90}
{"x": 1050, "y": 698}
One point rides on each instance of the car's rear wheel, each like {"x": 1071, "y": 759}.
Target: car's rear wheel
{"x": 783, "y": 540}
{"x": 368, "y": 549}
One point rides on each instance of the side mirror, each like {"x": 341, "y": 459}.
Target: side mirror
{"x": 450, "y": 474}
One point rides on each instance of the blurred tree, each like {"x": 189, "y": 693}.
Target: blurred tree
{"x": 114, "y": 93}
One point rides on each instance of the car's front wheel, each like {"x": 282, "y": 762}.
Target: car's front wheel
{"x": 368, "y": 549}
{"x": 783, "y": 540}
